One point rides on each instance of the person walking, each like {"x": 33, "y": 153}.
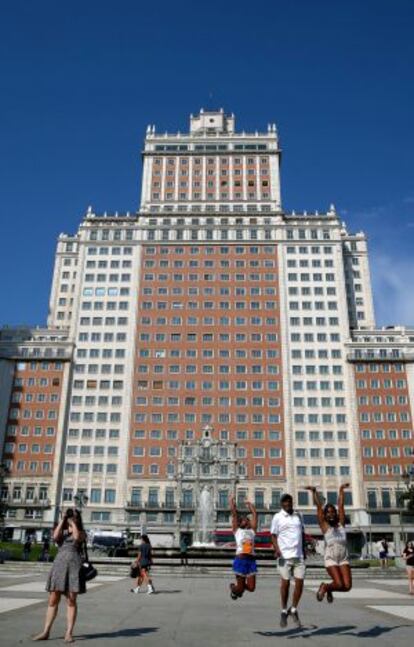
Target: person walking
{"x": 383, "y": 553}
{"x": 244, "y": 564}
{"x": 184, "y": 550}
{"x": 332, "y": 523}
{"x": 65, "y": 576}
{"x": 144, "y": 563}
{"x": 287, "y": 532}
{"x": 27, "y": 547}
{"x": 44, "y": 555}
{"x": 408, "y": 555}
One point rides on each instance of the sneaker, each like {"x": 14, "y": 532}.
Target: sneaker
{"x": 137, "y": 589}
{"x": 150, "y": 589}
{"x": 284, "y": 618}
{"x": 295, "y": 617}
{"x": 330, "y": 597}
{"x": 233, "y": 595}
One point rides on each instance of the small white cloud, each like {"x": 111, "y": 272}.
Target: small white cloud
{"x": 393, "y": 288}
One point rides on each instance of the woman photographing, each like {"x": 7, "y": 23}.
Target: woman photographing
{"x": 65, "y": 576}
{"x": 332, "y": 524}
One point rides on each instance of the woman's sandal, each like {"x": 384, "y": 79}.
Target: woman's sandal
{"x": 321, "y": 592}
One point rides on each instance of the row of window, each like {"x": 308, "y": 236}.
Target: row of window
{"x": 93, "y": 433}
{"x": 118, "y": 353}
{"x": 241, "y": 418}
{"x": 379, "y": 399}
{"x": 18, "y": 396}
{"x": 103, "y": 321}
{"x": 211, "y": 291}
{"x": 392, "y": 434}
{"x": 35, "y": 381}
{"x": 310, "y": 337}
{"x": 103, "y": 278}
{"x": 316, "y": 418}
{"x": 39, "y": 366}
{"x": 381, "y": 384}
{"x": 222, "y": 337}
{"x": 326, "y": 436}
{"x": 22, "y": 448}
{"x": 211, "y": 161}
{"x": 13, "y": 430}
{"x": 95, "y": 468}
{"x": 96, "y": 368}
{"x": 31, "y": 466}
{"x": 208, "y": 352}
{"x": 255, "y": 369}
{"x": 316, "y": 452}
{"x": 381, "y": 368}
{"x": 212, "y": 321}
{"x": 314, "y": 321}
{"x": 239, "y": 434}
{"x": 117, "y": 385}
{"x": 86, "y": 450}
{"x": 210, "y": 250}
{"x": 29, "y": 493}
{"x": 102, "y": 400}
{"x": 390, "y": 416}
{"x": 212, "y": 277}
{"x": 384, "y": 470}
{"x": 156, "y": 470}
{"x": 90, "y": 416}
{"x": 382, "y": 452}
{"x": 327, "y": 470}
{"x": 104, "y": 264}
{"x": 101, "y": 292}
{"x": 38, "y": 414}
{"x": 206, "y": 305}
{"x": 223, "y": 385}
{"x": 267, "y": 262}
{"x": 256, "y": 401}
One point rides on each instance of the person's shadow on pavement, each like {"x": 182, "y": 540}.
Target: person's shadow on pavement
{"x": 120, "y": 633}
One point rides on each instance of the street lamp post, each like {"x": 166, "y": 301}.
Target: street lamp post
{"x": 4, "y": 470}
{"x": 406, "y": 496}
{"x": 81, "y": 500}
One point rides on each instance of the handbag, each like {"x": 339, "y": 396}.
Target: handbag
{"x": 88, "y": 570}
{"x": 134, "y": 571}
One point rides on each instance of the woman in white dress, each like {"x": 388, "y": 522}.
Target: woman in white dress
{"x": 332, "y": 523}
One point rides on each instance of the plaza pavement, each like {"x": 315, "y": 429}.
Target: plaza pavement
{"x": 197, "y": 611}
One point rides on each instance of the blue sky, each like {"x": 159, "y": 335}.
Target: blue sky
{"x": 80, "y": 81}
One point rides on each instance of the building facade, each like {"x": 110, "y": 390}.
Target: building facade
{"x": 213, "y": 342}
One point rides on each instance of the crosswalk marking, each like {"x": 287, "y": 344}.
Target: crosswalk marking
{"x": 364, "y": 594}
{"x": 406, "y": 612}
{"x": 10, "y": 604}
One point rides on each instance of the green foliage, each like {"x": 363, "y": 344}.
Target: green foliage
{"x": 14, "y": 551}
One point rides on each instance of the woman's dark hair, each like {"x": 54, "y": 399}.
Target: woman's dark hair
{"x": 145, "y": 539}
{"x": 329, "y": 506}
{"x": 77, "y": 517}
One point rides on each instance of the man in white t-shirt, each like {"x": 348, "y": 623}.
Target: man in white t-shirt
{"x": 287, "y": 537}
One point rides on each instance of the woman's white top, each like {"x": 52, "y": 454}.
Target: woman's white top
{"x": 244, "y": 541}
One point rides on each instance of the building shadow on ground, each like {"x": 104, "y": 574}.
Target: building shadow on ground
{"x": 120, "y": 633}
{"x": 312, "y": 631}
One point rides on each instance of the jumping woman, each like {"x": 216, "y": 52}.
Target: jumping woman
{"x": 332, "y": 524}
{"x": 244, "y": 564}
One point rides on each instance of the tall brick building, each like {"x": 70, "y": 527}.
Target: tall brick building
{"x": 209, "y": 341}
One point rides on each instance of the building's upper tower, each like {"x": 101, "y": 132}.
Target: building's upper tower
{"x": 211, "y": 168}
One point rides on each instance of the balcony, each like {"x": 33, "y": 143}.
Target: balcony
{"x": 24, "y": 502}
